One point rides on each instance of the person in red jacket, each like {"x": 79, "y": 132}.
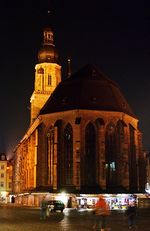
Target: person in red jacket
{"x": 101, "y": 211}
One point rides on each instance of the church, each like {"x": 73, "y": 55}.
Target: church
{"x": 83, "y": 137}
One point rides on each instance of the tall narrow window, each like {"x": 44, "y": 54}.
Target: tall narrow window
{"x": 49, "y": 80}
{"x": 68, "y": 154}
{"x": 110, "y": 149}
{"x": 120, "y": 153}
{"x": 39, "y": 79}
{"x": 90, "y": 155}
{"x": 50, "y": 155}
{"x": 132, "y": 160}
{"x": 60, "y": 163}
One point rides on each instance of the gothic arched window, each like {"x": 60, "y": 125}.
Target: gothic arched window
{"x": 58, "y": 125}
{"x": 39, "y": 84}
{"x": 110, "y": 150}
{"x": 50, "y": 155}
{"x": 132, "y": 160}
{"x": 90, "y": 155}
{"x": 120, "y": 133}
{"x": 68, "y": 154}
{"x": 40, "y": 70}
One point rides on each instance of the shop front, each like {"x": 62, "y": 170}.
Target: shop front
{"x": 115, "y": 201}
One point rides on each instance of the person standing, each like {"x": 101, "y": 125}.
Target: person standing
{"x": 131, "y": 213}
{"x": 101, "y": 211}
{"x": 43, "y": 207}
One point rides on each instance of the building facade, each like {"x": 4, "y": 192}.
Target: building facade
{"x": 5, "y": 179}
{"x": 83, "y": 137}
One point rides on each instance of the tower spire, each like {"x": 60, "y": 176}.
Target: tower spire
{"x": 48, "y": 53}
{"x": 48, "y": 71}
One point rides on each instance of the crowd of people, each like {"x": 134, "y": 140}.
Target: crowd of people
{"x": 101, "y": 211}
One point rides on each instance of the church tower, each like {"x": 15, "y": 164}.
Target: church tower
{"x": 47, "y": 73}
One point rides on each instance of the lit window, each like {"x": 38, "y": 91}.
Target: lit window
{"x": 112, "y": 166}
{"x": 2, "y": 175}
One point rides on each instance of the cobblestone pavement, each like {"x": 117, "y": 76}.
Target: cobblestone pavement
{"x": 28, "y": 219}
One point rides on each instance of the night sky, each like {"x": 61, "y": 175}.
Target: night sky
{"x": 114, "y": 35}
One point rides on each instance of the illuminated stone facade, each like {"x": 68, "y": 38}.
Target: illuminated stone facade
{"x": 85, "y": 139}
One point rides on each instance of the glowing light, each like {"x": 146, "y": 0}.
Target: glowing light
{"x": 147, "y": 188}
{"x": 3, "y": 193}
{"x": 63, "y": 197}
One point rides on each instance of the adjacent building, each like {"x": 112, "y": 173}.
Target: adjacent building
{"x": 83, "y": 137}
{"x": 5, "y": 179}
{"x": 147, "y": 186}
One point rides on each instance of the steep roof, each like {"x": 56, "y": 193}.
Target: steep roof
{"x": 89, "y": 89}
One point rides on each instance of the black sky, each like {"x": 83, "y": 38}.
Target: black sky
{"x": 114, "y": 35}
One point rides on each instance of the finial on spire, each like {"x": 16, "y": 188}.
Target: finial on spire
{"x": 49, "y": 7}
{"x": 48, "y": 14}
{"x": 69, "y": 67}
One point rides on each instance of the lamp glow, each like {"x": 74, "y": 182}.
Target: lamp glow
{"x": 147, "y": 188}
